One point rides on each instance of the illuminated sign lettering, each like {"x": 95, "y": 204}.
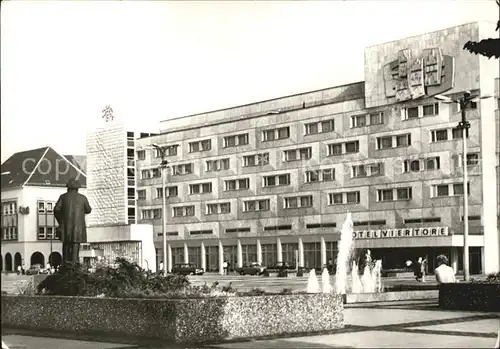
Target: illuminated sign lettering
{"x": 400, "y": 233}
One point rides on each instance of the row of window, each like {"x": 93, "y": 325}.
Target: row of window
{"x": 304, "y": 201}
{"x": 9, "y": 233}
{"x": 9, "y": 208}
{"x": 312, "y": 176}
{"x": 377, "y": 118}
{"x": 305, "y": 153}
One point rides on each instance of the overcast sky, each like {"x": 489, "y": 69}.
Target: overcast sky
{"x": 62, "y": 62}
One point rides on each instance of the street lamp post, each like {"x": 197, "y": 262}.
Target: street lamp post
{"x": 464, "y": 103}
{"x": 163, "y": 166}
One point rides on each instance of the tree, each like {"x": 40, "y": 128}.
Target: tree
{"x": 486, "y": 47}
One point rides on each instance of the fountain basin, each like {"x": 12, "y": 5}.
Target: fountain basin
{"x": 351, "y": 298}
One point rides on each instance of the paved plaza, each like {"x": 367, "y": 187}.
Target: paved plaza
{"x": 408, "y": 324}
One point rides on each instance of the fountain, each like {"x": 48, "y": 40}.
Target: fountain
{"x": 344, "y": 255}
{"x": 325, "y": 281}
{"x": 356, "y": 282}
{"x": 370, "y": 281}
{"x": 312, "y": 282}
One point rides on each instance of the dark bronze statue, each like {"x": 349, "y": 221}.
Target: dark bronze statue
{"x": 70, "y": 211}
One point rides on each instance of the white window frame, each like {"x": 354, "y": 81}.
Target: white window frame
{"x": 236, "y": 140}
{"x": 257, "y": 205}
{"x": 276, "y": 180}
{"x": 344, "y": 198}
{"x": 297, "y": 152}
{"x": 395, "y": 196}
{"x": 237, "y": 184}
{"x": 394, "y": 139}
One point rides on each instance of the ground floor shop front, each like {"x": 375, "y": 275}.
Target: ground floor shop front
{"x": 316, "y": 251}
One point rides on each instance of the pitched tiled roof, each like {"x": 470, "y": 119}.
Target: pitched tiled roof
{"x": 79, "y": 161}
{"x": 39, "y": 167}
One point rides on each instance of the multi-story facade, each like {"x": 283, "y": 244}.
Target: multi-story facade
{"x": 272, "y": 181}
{"x": 111, "y": 187}
{"x": 32, "y": 181}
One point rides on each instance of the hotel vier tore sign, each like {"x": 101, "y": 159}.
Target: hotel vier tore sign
{"x": 400, "y": 233}
{"x": 412, "y": 77}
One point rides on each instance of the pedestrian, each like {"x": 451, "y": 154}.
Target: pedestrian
{"x": 161, "y": 268}
{"x": 444, "y": 273}
{"x": 224, "y": 267}
{"x": 18, "y": 270}
{"x": 417, "y": 269}
{"x": 423, "y": 268}
{"x": 330, "y": 266}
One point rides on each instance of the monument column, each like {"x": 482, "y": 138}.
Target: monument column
{"x": 186, "y": 253}
{"x": 323, "y": 251}
{"x": 454, "y": 259}
{"x": 239, "y": 254}
{"x": 203, "y": 257}
{"x": 301, "y": 254}
{"x": 169, "y": 258}
{"x": 221, "y": 258}
{"x": 259, "y": 252}
{"x": 279, "y": 253}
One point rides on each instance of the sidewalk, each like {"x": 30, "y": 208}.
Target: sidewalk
{"x": 410, "y": 324}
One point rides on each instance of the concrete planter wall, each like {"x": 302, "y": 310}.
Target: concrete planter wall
{"x": 182, "y": 320}
{"x": 390, "y": 296}
{"x": 470, "y": 296}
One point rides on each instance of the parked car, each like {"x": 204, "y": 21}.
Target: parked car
{"x": 187, "y": 269}
{"x": 253, "y": 268}
{"x": 36, "y": 269}
{"x": 282, "y": 266}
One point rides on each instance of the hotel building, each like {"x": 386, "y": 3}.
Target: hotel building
{"x": 272, "y": 181}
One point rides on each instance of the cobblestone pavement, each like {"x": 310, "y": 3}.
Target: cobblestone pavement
{"x": 410, "y": 324}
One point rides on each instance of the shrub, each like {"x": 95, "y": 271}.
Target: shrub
{"x": 253, "y": 292}
{"x": 493, "y": 278}
{"x": 122, "y": 280}
{"x": 286, "y": 291}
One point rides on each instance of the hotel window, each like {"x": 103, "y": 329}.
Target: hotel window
{"x": 298, "y": 201}
{"x": 237, "y": 184}
{"x": 276, "y": 180}
{"x": 320, "y": 225}
{"x": 256, "y": 205}
{"x": 343, "y": 148}
{"x": 352, "y": 197}
{"x": 439, "y": 135}
{"x": 430, "y": 109}
{"x": 325, "y": 175}
{"x": 422, "y": 220}
{"x": 377, "y": 118}
{"x": 457, "y": 133}
{"x": 358, "y": 121}
{"x": 221, "y": 208}
{"x": 453, "y": 189}
{"x": 198, "y": 146}
{"x": 394, "y": 194}
{"x": 412, "y": 113}
{"x": 171, "y": 192}
{"x": 184, "y": 169}
{"x": 235, "y": 140}
{"x": 394, "y": 141}
{"x": 141, "y": 154}
{"x": 151, "y": 214}
{"x": 141, "y": 195}
{"x": 297, "y": 154}
{"x": 217, "y": 165}
{"x": 237, "y": 230}
{"x": 417, "y": 165}
{"x": 200, "y": 188}
{"x": 369, "y": 170}
{"x": 201, "y": 232}
{"x": 41, "y": 207}
{"x": 275, "y": 134}
{"x": 319, "y": 127}
{"x": 170, "y": 150}
{"x": 151, "y": 173}
{"x": 183, "y": 211}
{"x": 256, "y": 160}
{"x": 472, "y": 159}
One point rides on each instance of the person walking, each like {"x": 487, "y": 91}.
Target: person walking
{"x": 417, "y": 269}
{"x": 224, "y": 267}
{"x": 423, "y": 268}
